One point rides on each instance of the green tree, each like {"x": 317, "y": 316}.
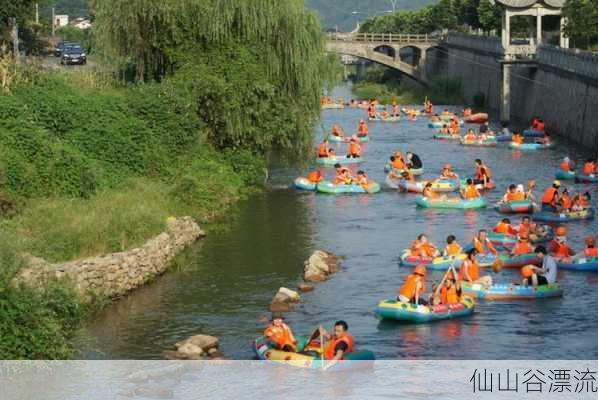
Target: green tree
{"x": 489, "y": 15}
{"x": 582, "y": 22}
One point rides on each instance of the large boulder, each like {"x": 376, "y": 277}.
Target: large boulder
{"x": 194, "y": 348}
{"x": 284, "y": 300}
{"x": 320, "y": 265}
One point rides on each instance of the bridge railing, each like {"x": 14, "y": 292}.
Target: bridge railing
{"x": 394, "y": 38}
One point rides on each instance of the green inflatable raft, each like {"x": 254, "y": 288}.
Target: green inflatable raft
{"x": 451, "y": 203}
{"x": 331, "y": 188}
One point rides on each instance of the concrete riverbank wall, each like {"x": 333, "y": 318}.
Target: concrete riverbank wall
{"x": 116, "y": 274}
{"x": 562, "y": 87}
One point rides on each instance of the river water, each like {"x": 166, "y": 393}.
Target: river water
{"x": 225, "y": 284}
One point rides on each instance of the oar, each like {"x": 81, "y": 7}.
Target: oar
{"x": 321, "y": 348}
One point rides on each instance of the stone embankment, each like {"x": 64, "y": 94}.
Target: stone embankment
{"x": 116, "y": 274}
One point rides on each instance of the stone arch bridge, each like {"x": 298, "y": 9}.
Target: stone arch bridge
{"x": 403, "y": 52}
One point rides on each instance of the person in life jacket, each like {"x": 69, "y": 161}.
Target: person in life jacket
{"x": 482, "y": 244}
{"x": 324, "y": 149}
{"x": 534, "y": 124}
{"x": 397, "y": 163}
{"x": 452, "y": 247}
{"x": 566, "y": 165}
{"x": 414, "y": 287}
{"x": 315, "y": 176}
{"x": 483, "y": 173}
{"x": 470, "y": 270}
{"x": 429, "y": 192}
{"x": 550, "y": 198}
{"x": 362, "y": 130}
{"x": 337, "y": 131}
{"x": 505, "y": 227}
{"x": 526, "y": 227}
{"x": 470, "y": 191}
{"x": 445, "y": 129}
{"x": 362, "y": 178}
{"x": 448, "y": 173}
{"x": 413, "y": 161}
{"x": 450, "y": 293}
{"x": 591, "y": 251}
{"x": 421, "y": 247}
{"x": 280, "y": 335}
{"x": 339, "y": 344}
{"x": 578, "y": 203}
{"x": 558, "y": 247}
{"x": 565, "y": 201}
{"x": 523, "y": 246}
{"x": 511, "y": 194}
{"x": 396, "y": 109}
{"x": 470, "y": 136}
{"x": 588, "y": 167}
{"x": 540, "y": 127}
{"x": 343, "y": 175}
{"x": 517, "y": 138}
{"x": 353, "y": 149}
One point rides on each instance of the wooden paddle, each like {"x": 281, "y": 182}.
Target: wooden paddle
{"x": 321, "y": 348}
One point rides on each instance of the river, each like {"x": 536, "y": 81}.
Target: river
{"x": 226, "y": 282}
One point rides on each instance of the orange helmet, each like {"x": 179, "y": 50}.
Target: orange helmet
{"x": 420, "y": 269}
{"x": 448, "y": 166}
{"x": 590, "y": 241}
{"x": 561, "y": 231}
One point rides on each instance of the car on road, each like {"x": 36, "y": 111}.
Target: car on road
{"x": 73, "y": 55}
{"x": 61, "y": 46}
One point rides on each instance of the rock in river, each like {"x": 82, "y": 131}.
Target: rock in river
{"x": 194, "y": 348}
{"x": 284, "y": 300}
{"x": 320, "y": 266}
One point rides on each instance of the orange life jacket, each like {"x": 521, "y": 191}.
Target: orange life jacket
{"x": 588, "y": 168}
{"x": 510, "y": 196}
{"x": 410, "y": 285}
{"x": 449, "y": 295}
{"x": 363, "y": 129}
{"x": 281, "y": 336}
{"x": 471, "y": 192}
{"x": 560, "y": 249}
{"x": 549, "y": 196}
{"x": 504, "y": 228}
{"x": 424, "y": 250}
{"x": 398, "y": 163}
{"x": 591, "y": 252}
{"x": 566, "y": 202}
{"x": 471, "y": 267}
{"x": 525, "y": 230}
{"x": 483, "y": 248}
{"x": 453, "y": 249}
{"x": 354, "y": 149}
{"x": 323, "y": 150}
{"x": 347, "y": 339}
{"x": 518, "y": 196}
{"x": 522, "y": 248}
{"x": 540, "y": 126}
{"x": 565, "y": 166}
{"x": 314, "y": 177}
{"x": 518, "y": 139}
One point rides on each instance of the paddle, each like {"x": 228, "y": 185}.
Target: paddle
{"x": 321, "y": 348}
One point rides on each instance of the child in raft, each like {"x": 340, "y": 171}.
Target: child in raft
{"x": 353, "y": 148}
{"x": 452, "y": 248}
{"x": 591, "y": 251}
{"x": 412, "y": 291}
{"x": 558, "y": 247}
{"x": 421, "y": 247}
{"x": 337, "y": 131}
{"x": 448, "y": 173}
{"x": 523, "y": 246}
{"x": 450, "y": 292}
{"x": 514, "y": 193}
{"x": 362, "y": 178}
{"x": 504, "y": 227}
{"x": 324, "y": 149}
{"x": 315, "y": 176}
{"x": 343, "y": 175}
{"x": 470, "y": 192}
{"x": 280, "y": 334}
{"x": 470, "y": 270}
{"x": 470, "y": 136}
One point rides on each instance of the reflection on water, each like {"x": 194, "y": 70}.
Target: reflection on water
{"x": 233, "y": 275}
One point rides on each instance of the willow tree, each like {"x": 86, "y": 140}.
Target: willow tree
{"x": 160, "y": 37}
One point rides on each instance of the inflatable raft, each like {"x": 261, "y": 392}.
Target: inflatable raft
{"x": 516, "y": 207}
{"x": 432, "y": 263}
{"x": 330, "y": 161}
{"x": 478, "y": 118}
{"x": 387, "y": 119}
{"x": 564, "y": 175}
{"x": 330, "y": 188}
{"x": 447, "y": 136}
{"x": 529, "y": 146}
{"x": 415, "y": 172}
{"x": 587, "y": 178}
{"x": 308, "y": 355}
{"x": 508, "y": 241}
{"x": 338, "y": 139}
{"x": 411, "y": 313}
{"x": 589, "y": 264}
{"x": 304, "y": 184}
{"x": 480, "y": 143}
{"x": 570, "y": 216}
{"x": 512, "y": 291}
{"x": 440, "y": 186}
{"x": 533, "y": 133}
{"x": 425, "y": 202}
{"x": 504, "y": 138}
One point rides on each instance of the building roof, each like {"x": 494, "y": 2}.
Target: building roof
{"x": 528, "y": 3}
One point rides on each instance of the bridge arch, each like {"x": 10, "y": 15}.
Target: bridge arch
{"x": 411, "y": 54}
{"x": 386, "y": 50}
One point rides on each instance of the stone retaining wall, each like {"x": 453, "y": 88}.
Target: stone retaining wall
{"x": 116, "y": 274}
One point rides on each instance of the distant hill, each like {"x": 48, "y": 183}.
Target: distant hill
{"x": 340, "y": 13}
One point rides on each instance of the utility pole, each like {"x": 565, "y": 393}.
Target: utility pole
{"x": 393, "y": 3}
{"x": 37, "y": 13}
{"x": 14, "y": 33}
{"x": 53, "y": 23}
